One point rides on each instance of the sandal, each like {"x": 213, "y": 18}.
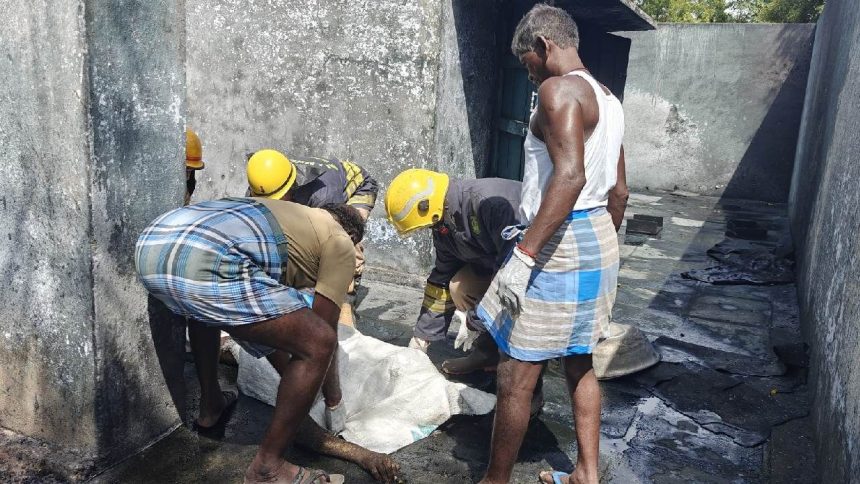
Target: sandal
{"x": 556, "y": 476}
{"x": 217, "y": 429}
{"x": 313, "y": 476}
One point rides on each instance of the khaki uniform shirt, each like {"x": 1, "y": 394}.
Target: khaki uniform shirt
{"x": 320, "y": 253}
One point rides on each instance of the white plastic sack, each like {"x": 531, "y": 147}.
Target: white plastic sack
{"x": 393, "y": 395}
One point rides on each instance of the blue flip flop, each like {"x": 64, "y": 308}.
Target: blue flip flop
{"x": 556, "y": 476}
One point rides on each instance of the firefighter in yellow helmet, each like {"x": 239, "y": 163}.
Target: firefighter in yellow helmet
{"x": 193, "y": 162}
{"x": 315, "y": 182}
{"x": 311, "y": 181}
{"x": 467, "y": 218}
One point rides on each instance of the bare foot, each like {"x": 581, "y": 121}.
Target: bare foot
{"x": 380, "y": 466}
{"x": 582, "y": 476}
{"x": 211, "y": 414}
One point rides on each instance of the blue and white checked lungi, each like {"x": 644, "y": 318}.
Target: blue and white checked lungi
{"x": 218, "y": 262}
{"x": 569, "y": 297}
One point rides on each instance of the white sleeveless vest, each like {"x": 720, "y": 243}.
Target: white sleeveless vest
{"x": 602, "y": 149}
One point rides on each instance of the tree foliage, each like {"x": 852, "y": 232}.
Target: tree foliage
{"x": 687, "y": 11}
{"x": 790, "y": 10}
{"x": 709, "y": 11}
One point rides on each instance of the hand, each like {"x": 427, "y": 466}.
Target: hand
{"x": 513, "y": 278}
{"x": 335, "y": 418}
{"x": 465, "y": 336}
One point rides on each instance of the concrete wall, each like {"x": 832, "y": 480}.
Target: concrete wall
{"x": 714, "y": 109}
{"x": 467, "y": 89}
{"x": 45, "y": 252}
{"x": 352, "y": 79}
{"x": 91, "y": 119}
{"x": 136, "y": 51}
{"x": 825, "y": 215}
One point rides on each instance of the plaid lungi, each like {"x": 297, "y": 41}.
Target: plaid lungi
{"x": 218, "y": 262}
{"x": 569, "y": 296}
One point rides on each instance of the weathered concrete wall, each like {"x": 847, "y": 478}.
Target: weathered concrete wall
{"x": 467, "y": 89}
{"x": 46, "y": 354}
{"x": 91, "y": 120}
{"x": 825, "y": 215}
{"x": 353, "y": 79}
{"x": 137, "y": 116}
{"x": 714, "y": 109}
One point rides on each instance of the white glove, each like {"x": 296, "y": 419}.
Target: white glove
{"x": 465, "y": 336}
{"x": 513, "y": 278}
{"x": 335, "y": 418}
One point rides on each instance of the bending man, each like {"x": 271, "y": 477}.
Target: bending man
{"x": 236, "y": 264}
{"x": 466, "y": 218}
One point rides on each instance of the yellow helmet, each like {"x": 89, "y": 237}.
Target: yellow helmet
{"x": 416, "y": 199}
{"x": 193, "y": 151}
{"x": 270, "y": 174}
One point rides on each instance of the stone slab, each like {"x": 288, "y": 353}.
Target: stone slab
{"x": 733, "y": 310}
{"x": 681, "y": 351}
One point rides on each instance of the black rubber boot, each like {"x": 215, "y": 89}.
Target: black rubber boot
{"x": 483, "y": 357}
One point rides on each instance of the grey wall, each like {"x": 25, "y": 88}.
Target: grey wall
{"x": 91, "y": 119}
{"x": 352, "y": 79}
{"x": 467, "y": 89}
{"x": 824, "y": 209}
{"x": 714, "y": 109}
{"x": 44, "y": 235}
{"x": 136, "y": 66}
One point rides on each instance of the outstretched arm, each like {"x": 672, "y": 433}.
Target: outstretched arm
{"x": 313, "y": 437}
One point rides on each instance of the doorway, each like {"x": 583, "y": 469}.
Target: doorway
{"x": 604, "y": 54}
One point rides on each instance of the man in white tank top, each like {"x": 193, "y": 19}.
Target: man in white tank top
{"x": 574, "y": 172}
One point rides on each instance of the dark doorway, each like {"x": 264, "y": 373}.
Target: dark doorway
{"x": 604, "y": 54}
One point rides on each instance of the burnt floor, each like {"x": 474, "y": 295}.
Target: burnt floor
{"x": 728, "y": 402}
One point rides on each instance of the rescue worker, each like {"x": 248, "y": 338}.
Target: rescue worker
{"x": 193, "y": 162}
{"x": 316, "y": 182}
{"x": 467, "y": 218}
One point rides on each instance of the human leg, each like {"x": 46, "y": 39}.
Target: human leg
{"x": 304, "y": 344}
{"x": 467, "y": 288}
{"x": 516, "y": 383}
{"x": 585, "y": 401}
{"x": 312, "y": 436}
{"x": 205, "y": 347}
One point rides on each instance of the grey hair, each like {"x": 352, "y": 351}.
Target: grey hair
{"x": 552, "y": 23}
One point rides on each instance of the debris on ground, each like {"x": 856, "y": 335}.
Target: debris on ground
{"x": 745, "y": 263}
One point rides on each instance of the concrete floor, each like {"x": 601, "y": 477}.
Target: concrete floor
{"x": 728, "y": 403}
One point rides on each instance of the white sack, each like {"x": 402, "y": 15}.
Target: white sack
{"x": 393, "y": 395}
